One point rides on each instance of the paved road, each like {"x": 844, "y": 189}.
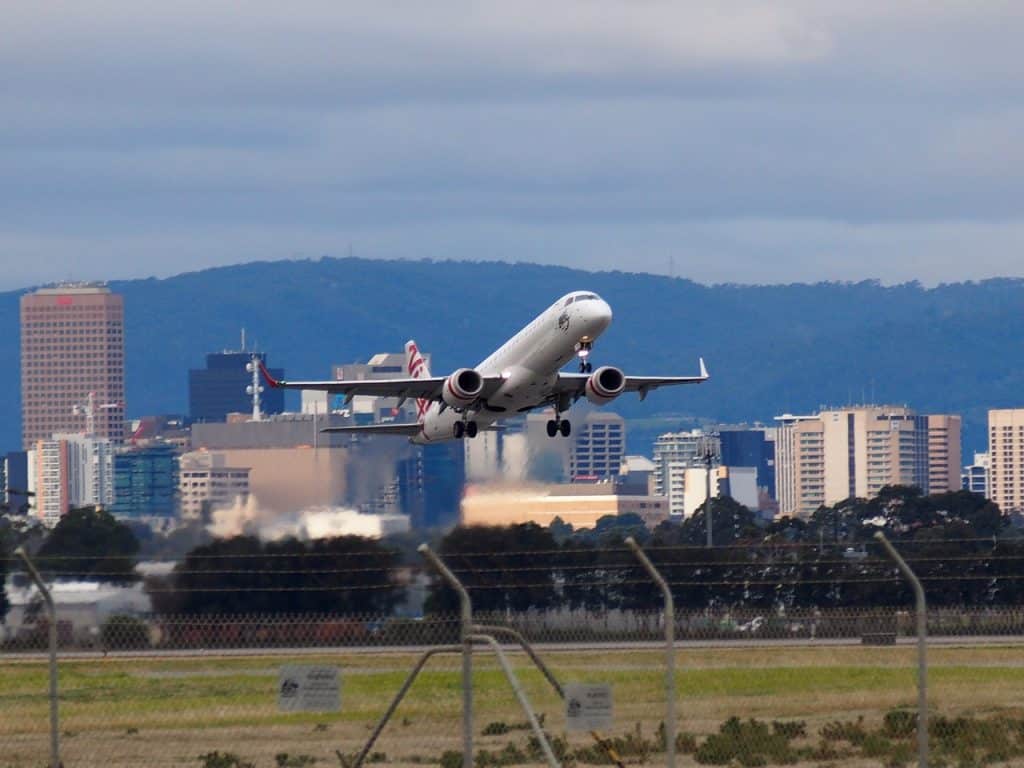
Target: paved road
{"x": 682, "y": 645}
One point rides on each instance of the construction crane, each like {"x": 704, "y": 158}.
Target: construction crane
{"x": 89, "y": 408}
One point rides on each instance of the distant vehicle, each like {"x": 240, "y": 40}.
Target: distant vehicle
{"x": 523, "y": 374}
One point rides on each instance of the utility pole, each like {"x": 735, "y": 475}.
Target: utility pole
{"x": 708, "y": 455}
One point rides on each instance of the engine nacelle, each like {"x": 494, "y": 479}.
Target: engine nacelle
{"x": 605, "y": 384}
{"x": 462, "y": 388}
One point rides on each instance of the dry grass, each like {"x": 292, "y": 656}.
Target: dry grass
{"x": 118, "y": 712}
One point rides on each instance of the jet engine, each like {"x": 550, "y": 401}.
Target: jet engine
{"x": 605, "y": 384}
{"x": 462, "y": 388}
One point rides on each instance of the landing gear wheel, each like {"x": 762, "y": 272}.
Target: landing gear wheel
{"x": 565, "y": 428}
{"x": 552, "y": 428}
{"x": 471, "y": 429}
{"x": 460, "y": 430}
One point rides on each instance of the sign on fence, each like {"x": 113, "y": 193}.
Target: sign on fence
{"x": 304, "y": 688}
{"x": 588, "y": 706}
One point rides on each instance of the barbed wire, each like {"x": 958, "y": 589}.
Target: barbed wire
{"x": 555, "y": 567}
{"x": 619, "y": 583}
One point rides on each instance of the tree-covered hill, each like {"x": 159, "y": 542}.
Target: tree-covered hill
{"x": 771, "y": 349}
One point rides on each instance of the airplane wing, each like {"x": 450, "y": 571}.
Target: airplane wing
{"x": 427, "y": 387}
{"x": 574, "y": 383}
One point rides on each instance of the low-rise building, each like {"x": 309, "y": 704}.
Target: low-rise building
{"x": 580, "y": 505}
{"x": 207, "y": 482}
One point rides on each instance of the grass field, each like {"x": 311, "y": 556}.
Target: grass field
{"x": 118, "y": 712}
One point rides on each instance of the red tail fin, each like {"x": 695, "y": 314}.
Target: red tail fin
{"x": 416, "y": 368}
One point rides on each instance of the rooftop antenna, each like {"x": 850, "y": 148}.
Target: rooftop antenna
{"x": 254, "y": 389}
{"x": 243, "y": 339}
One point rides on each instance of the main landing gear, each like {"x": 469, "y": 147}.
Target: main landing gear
{"x": 583, "y": 352}
{"x": 557, "y": 425}
{"x": 465, "y": 429}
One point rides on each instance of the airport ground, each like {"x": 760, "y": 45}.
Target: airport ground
{"x": 121, "y": 711}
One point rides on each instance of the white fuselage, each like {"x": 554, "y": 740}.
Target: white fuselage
{"x": 528, "y": 363}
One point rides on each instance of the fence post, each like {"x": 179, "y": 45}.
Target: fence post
{"x": 466, "y": 636}
{"x": 51, "y": 613}
{"x": 670, "y": 651}
{"x": 922, "y": 649}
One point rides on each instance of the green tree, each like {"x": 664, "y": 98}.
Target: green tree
{"x": 6, "y": 551}
{"x": 503, "y": 567}
{"x": 90, "y": 544}
{"x": 344, "y": 574}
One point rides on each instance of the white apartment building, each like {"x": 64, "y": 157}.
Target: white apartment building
{"x": 854, "y": 452}
{"x": 674, "y": 454}
{"x": 1006, "y": 458}
{"x": 975, "y": 475}
{"x": 71, "y": 470}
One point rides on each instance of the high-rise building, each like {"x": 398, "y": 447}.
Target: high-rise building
{"x": 749, "y": 447}
{"x": 855, "y": 452}
{"x": 430, "y": 484}
{"x": 974, "y": 477}
{"x": 943, "y": 453}
{"x": 799, "y": 465}
{"x": 146, "y": 483}
{"x": 598, "y": 445}
{"x": 1006, "y": 458}
{"x": 72, "y": 363}
{"x": 220, "y": 388}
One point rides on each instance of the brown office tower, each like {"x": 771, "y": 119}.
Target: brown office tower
{"x": 72, "y": 363}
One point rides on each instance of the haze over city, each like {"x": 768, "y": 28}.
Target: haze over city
{"x": 726, "y": 142}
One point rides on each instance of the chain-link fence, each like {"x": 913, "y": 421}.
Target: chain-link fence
{"x": 794, "y": 686}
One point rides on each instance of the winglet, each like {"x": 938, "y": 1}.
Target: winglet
{"x": 271, "y": 381}
{"x": 704, "y": 370}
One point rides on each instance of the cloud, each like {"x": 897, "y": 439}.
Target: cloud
{"x": 570, "y": 132}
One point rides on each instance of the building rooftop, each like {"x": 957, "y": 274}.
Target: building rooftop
{"x": 63, "y": 289}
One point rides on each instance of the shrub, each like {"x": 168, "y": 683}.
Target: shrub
{"x": 122, "y": 632}
{"x": 899, "y": 723}
{"x": 224, "y": 760}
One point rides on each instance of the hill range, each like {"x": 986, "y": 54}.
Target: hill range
{"x": 771, "y": 349}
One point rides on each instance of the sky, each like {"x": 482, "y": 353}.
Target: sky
{"x": 725, "y": 141}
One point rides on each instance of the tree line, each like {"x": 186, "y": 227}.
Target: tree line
{"x": 962, "y": 547}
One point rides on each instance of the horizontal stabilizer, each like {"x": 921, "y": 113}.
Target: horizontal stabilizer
{"x": 379, "y": 429}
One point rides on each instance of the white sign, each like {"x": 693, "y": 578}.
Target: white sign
{"x": 302, "y": 688}
{"x": 588, "y": 707}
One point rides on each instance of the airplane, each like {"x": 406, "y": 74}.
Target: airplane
{"x": 523, "y": 374}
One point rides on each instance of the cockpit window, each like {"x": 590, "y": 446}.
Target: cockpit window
{"x": 587, "y": 297}
{"x": 569, "y": 301}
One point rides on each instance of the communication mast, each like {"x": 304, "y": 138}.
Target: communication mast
{"x": 254, "y": 389}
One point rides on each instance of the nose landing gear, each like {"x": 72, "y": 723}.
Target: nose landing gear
{"x": 583, "y": 352}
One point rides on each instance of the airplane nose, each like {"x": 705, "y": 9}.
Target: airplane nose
{"x": 598, "y": 316}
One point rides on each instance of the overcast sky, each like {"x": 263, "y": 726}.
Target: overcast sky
{"x": 740, "y": 141}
